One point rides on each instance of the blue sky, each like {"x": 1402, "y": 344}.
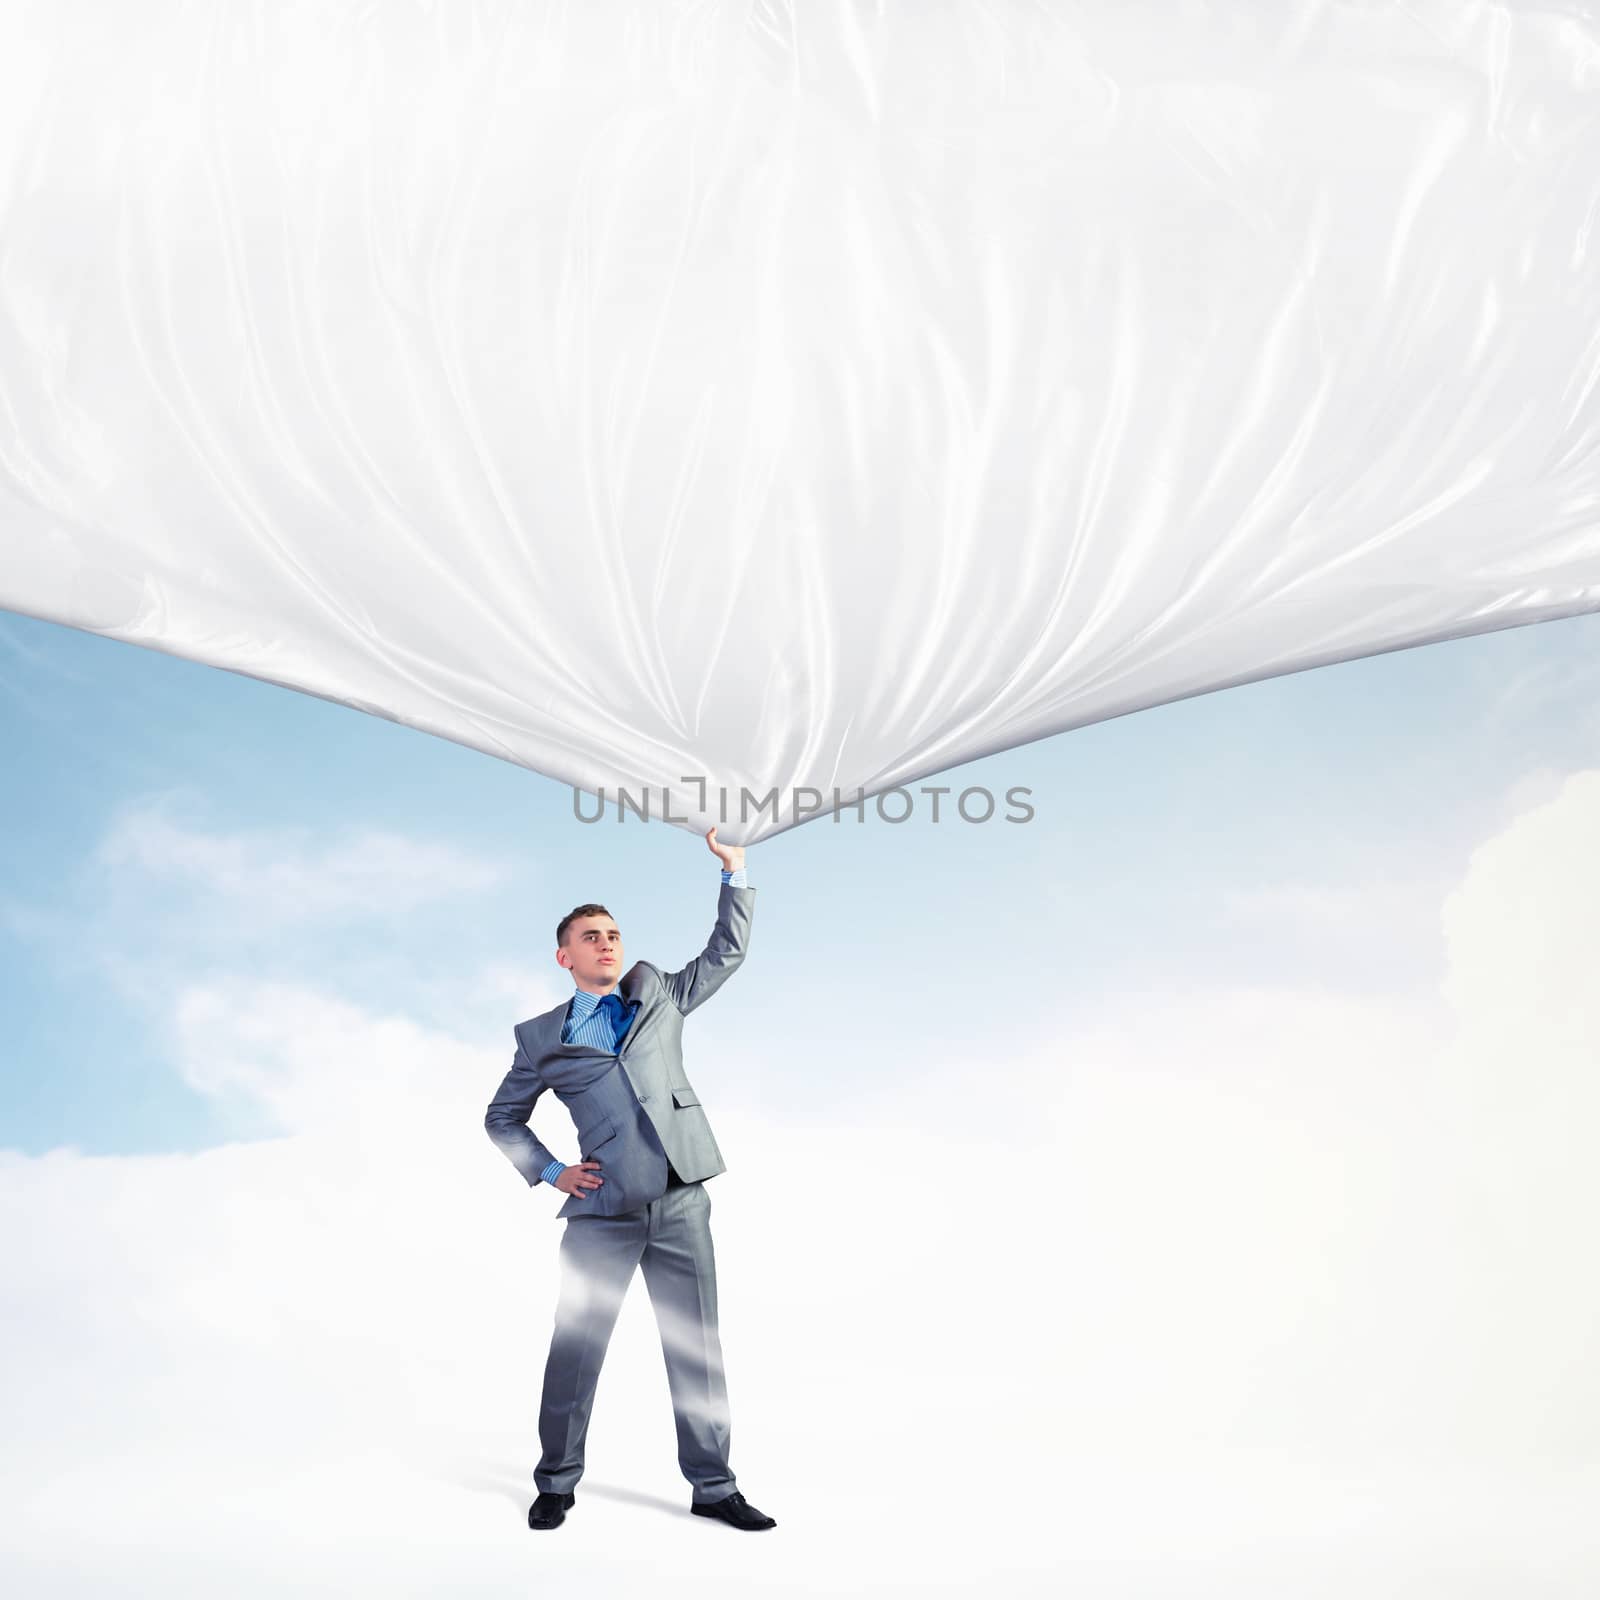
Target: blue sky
{"x": 165, "y": 823}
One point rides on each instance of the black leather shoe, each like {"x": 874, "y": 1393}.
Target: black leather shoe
{"x": 737, "y": 1510}
{"x": 550, "y": 1510}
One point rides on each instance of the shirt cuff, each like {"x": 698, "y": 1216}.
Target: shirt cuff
{"x": 736, "y": 878}
{"x": 553, "y": 1171}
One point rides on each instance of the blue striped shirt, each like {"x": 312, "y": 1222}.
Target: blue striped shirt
{"x": 588, "y": 1024}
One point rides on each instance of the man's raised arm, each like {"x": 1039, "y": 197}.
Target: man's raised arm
{"x": 736, "y": 904}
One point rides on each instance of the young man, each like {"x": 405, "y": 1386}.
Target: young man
{"x": 613, "y": 1055}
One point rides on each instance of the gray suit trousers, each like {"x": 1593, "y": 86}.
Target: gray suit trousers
{"x": 671, "y": 1239}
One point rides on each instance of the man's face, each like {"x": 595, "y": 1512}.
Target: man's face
{"x": 593, "y": 952}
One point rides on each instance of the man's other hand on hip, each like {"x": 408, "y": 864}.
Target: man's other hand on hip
{"x": 578, "y": 1179}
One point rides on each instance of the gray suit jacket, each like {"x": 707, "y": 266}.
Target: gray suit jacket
{"x": 634, "y": 1110}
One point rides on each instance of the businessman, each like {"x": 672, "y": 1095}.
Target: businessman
{"x": 613, "y": 1055}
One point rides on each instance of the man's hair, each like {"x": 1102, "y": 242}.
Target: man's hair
{"x": 573, "y": 915}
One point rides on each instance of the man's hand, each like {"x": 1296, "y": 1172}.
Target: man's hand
{"x": 730, "y": 855}
{"x": 578, "y": 1179}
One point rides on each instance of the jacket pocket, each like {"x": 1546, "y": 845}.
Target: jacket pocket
{"x": 590, "y": 1139}
{"x": 685, "y": 1097}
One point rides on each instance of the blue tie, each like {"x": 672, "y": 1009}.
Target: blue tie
{"x": 617, "y": 1009}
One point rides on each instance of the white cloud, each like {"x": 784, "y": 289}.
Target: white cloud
{"x": 1523, "y": 929}
{"x": 1279, "y": 1289}
{"x": 1403, "y": 909}
{"x": 283, "y": 875}
{"x": 1560, "y": 682}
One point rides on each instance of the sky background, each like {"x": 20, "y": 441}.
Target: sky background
{"x": 1191, "y": 1185}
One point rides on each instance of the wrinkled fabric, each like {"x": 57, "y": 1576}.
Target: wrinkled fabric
{"x": 794, "y": 398}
